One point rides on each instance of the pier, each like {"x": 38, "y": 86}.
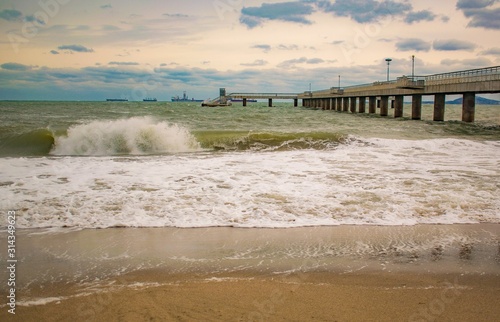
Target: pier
{"x": 359, "y": 98}
{"x": 223, "y": 99}
{"x": 468, "y": 83}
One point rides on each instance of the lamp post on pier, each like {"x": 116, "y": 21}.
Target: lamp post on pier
{"x": 388, "y": 60}
{"x": 413, "y": 67}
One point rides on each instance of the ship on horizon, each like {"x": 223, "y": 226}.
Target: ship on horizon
{"x": 149, "y": 99}
{"x": 184, "y": 98}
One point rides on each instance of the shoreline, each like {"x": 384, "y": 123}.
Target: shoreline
{"x": 307, "y": 273}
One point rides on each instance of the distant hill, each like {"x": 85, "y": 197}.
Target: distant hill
{"x": 479, "y": 101}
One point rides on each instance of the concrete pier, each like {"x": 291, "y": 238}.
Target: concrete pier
{"x": 362, "y": 104}
{"x": 468, "y": 83}
{"x": 353, "y": 104}
{"x": 372, "y": 105}
{"x": 346, "y": 104}
{"x": 439, "y": 105}
{"x": 469, "y": 107}
{"x": 398, "y": 106}
{"x": 384, "y": 105}
{"x": 416, "y": 107}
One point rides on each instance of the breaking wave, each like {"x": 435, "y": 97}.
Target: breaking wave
{"x": 135, "y": 136}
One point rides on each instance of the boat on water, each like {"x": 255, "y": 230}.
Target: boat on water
{"x": 149, "y": 99}
{"x": 184, "y": 98}
{"x": 117, "y": 100}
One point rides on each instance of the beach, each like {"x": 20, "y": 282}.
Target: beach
{"x": 169, "y": 211}
{"x": 342, "y": 273}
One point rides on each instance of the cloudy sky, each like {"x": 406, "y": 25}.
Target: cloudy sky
{"x": 95, "y": 49}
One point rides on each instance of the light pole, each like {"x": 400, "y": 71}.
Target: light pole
{"x": 388, "y": 60}
{"x": 413, "y": 67}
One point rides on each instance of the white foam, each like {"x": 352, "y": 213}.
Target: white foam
{"x": 367, "y": 182}
{"x": 139, "y": 135}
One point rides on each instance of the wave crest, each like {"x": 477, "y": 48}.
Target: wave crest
{"x": 270, "y": 141}
{"x": 134, "y": 136}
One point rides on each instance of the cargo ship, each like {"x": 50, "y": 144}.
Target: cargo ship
{"x": 149, "y": 99}
{"x": 184, "y": 98}
{"x": 117, "y": 100}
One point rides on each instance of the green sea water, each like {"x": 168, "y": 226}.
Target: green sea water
{"x": 34, "y": 128}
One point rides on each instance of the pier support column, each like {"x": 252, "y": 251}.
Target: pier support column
{"x": 372, "y": 104}
{"x": 398, "y": 106}
{"x": 270, "y": 102}
{"x": 353, "y": 104}
{"x": 362, "y": 104}
{"x": 469, "y": 107}
{"x": 334, "y": 104}
{"x": 439, "y": 104}
{"x": 384, "y": 105}
{"x": 295, "y": 102}
{"x": 244, "y": 102}
{"x": 339, "y": 104}
{"x": 328, "y": 104}
{"x": 346, "y": 104}
{"x": 416, "y": 107}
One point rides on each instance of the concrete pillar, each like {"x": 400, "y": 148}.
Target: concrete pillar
{"x": 295, "y": 102}
{"x": 372, "y": 105}
{"x": 398, "y": 106}
{"x": 244, "y": 102}
{"x": 346, "y": 104}
{"x": 328, "y": 104}
{"x": 384, "y": 105}
{"x": 416, "y": 107}
{"x": 334, "y": 104}
{"x": 270, "y": 102}
{"x": 362, "y": 104}
{"x": 469, "y": 107}
{"x": 439, "y": 104}
{"x": 339, "y": 104}
{"x": 353, "y": 104}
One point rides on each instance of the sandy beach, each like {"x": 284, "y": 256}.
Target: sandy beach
{"x": 343, "y": 273}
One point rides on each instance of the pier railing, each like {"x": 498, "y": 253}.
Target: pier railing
{"x": 464, "y": 76}
{"x": 263, "y": 95}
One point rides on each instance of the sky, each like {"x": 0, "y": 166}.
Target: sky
{"x": 98, "y": 49}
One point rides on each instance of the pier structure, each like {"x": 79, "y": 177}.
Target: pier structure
{"x": 378, "y": 95}
{"x": 247, "y": 96}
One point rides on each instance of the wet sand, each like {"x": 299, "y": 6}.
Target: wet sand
{"x": 346, "y": 273}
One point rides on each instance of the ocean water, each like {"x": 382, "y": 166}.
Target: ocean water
{"x": 134, "y": 164}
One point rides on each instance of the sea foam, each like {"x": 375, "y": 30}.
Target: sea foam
{"x": 136, "y": 136}
{"x": 365, "y": 182}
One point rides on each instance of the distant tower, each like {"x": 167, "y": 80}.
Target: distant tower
{"x": 222, "y": 94}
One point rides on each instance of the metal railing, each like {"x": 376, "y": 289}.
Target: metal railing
{"x": 466, "y": 73}
{"x": 263, "y": 95}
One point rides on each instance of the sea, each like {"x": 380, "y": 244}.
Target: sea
{"x": 87, "y": 165}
